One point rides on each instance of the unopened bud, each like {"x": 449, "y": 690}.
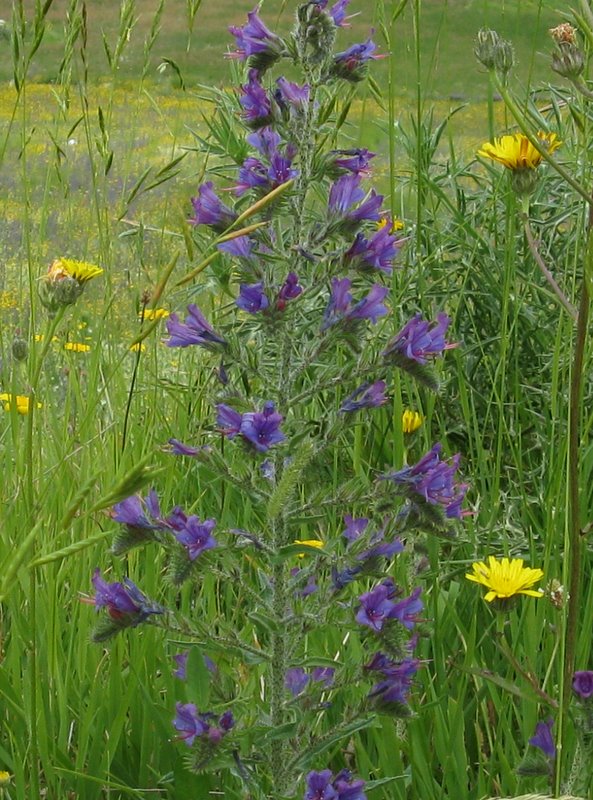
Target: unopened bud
{"x": 20, "y": 349}
{"x": 568, "y": 60}
{"x": 493, "y": 52}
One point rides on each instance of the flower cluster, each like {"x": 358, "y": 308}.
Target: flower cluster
{"x": 261, "y": 429}
{"x": 125, "y": 604}
{"x": 192, "y": 724}
{"x": 324, "y": 786}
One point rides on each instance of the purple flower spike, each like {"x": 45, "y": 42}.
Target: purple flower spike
{"x": 289, "y": 290}
{"x": 392, "y": 692}
{"x": 262, "y": 429}
{"x": 195, "y": 330}
{"x": 543, "y": 739}
{"x": 124, "y": 602}
{"x": 252, "y": 298}
{"x": 355, "y": 527}
{"x": 582, "y": 684}
{"x": 369, "y": 395}
{"x": 256, "y": 43}
{"x": 210, "y": 210}
{"x": 296, "y": 680}
{"x": 377, "y": 252}
{"x": 418, "y": 339}
{"x": 194, "y": 535}
{"x": 228, "y": 420}
{"x": 257, "y": 106}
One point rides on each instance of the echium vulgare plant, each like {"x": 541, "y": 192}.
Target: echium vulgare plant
{"x": 302, "y": 355}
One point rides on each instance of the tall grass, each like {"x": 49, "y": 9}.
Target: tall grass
{"x": 93, "y": 171}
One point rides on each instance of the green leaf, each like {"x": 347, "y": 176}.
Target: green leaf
{"x": 198, "y": 678}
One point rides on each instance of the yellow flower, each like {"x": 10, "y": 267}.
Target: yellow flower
{"x": 154, "y": 313}
{"x": 138, "y": 346}
{"x": 4, "y": 778}
{"x": 516, "y": 152}
{"x": 411, "y": 421}
{"x": 309, "y": 543}
{"x": 396, "y": 224}
{"x": 21, "y": 402}
{"x": 77, "y": 347}
{"x": 80, "y": 271}
{"x": 505, "y": 578}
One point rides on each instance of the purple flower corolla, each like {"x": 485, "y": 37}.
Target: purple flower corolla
{"x": 369, "y": 395}
{"x": 252, "y": 298}
{"x": 394, "y": 689}
{"x": 356, "y": 160}
{"x": 240, "y": 247}
{"x": 261, "y": 428}
{"x": 192, "y": 533}
{"x": 265, "y": 141}
{"x": 323, "y": 786}
{"x": 289, "y": 290}
{"x": 355, "y": 527}
{"x": 296, "y": 680}
{"x": 340, "y": 300}
{"x": 323, "y": 675}
{"x": 434, "y": 480}
{"x": 210, "y": 210}
{"x": 256, "y": 42}
{"x": 543, "y": 739}
{"x": 256, "y": 104}
{"x": 582, "y": 684}
{"x": 338, "y": 13}
{"x": 289, "y": 94}
{"x": 192, "y": 724}
{"x": 252, "y": 175}
{"x": 131, "y": 512}
{"x": 280, "y": 169}
{"x": 352, "y": 64}
{"x": 377, "y": 252}
{"x": 344, "y": 203}
{"x": 419, "y": 339}
{"x": 180, "y": 660}
{"x": 340, "y": 304}
{"x": 195, "y": 330}
{"x": 370, "y": 307}
{"x": 347, "y": 787}
{"x": 124, "y": 602}
{"x": 376, "y": 606}
{"x": 178, "y": 448}
{"x": 406, "y": 611}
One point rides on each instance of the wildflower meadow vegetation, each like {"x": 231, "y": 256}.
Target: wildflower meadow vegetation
{"x": 295, "y": 402}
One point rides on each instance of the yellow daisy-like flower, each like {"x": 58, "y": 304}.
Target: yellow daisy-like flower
{"x": 4, "y": 778}
{"x": 310, "y": 543}
{"x": 516, "y": 152}
{"x": 138, "y": 346}
{"x": 505, "y": 578}
{"x": 154, "y": 313}
{"x": 77, "y": 347}
{"x": 411, "y": 421}
{"x": 80, "y": 271}
{"x": 22, "y": 403}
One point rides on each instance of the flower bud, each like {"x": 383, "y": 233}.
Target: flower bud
{"x": 568, "y": 60}
{"x": 493, "y": 52}
{"x": 20, "y": 349}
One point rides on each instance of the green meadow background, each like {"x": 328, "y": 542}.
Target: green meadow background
{"x": 98, "y": 159}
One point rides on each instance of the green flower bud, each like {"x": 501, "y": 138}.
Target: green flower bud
{"x": 493, "y": 52}
{"x": 20, "y": 349}
{"x": 568, "y": 60}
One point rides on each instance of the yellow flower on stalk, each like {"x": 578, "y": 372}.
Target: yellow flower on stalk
{"x": 4, "y": 778}
{"x": 515, "y": 151}
{"x": 505, "y": 578}
{"x": 64, "y": 282}
{"x": 80, "y": 271}
{"x": 77, "y": 347}
{"x": 411, "y": 421}
{"x": 154, "y": 313}
{"x": 22, "y": 403}
{"x": 309, "y": 543}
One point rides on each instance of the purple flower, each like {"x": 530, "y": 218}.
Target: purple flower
{"x": 352, "y": 64}
{"x": 130, "y": 512}
{"x": 252, "y": 175}
{"x": 240, "y": 247}
{"x": 338, "y": 13}
{"x": 190, "y": 722}
{"x": 181, "y": 660}
{"x": 347, "y": 787}
{"x": 292, "y": 95}
{"x": 356, "y": 160}
{"x": 345, "y": 195}
{"x": 280, "y": 169}
{"x": 370, "y": 307}
{"x": 195, "y": 330}
{"x": 194, "y": 535}
{"x": 319, "y": 786}
{"x": 419, "y": 339}
{"x": 252, "y": 298}
{"x": 288, "y": 291}
{"x": 296, "y": 680}
{"x": 261, "y": 428}
{"x": 255, "y": 101}
{"x": 124, "y": 602}
{"x": 369, "y": 395}
{"x": 324, "y": 675}
{"x": 228, "y": 420}
{"x": 376, "y": 606}
{"x": 543, "y": 740}
{"x": 378, "y": 251}
{"x": 256, "y": 43}
{"x": 406, "y": 610}
{"x": 265, "y": 141}
{"x": 210, "y": 210}
{"x": 178, "y": 448}
{"x": 434, "y": 480}
{"x": 392, "y": 692}
{"x": 339, "y": 301}
{"x": 582, "y": 684}
{"x": 355, "y": 527}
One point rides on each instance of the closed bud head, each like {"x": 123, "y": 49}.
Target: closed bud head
{"x": 20, "y": 349}
{"x": 568, "y": 60}
{"x": 494, "y": 52}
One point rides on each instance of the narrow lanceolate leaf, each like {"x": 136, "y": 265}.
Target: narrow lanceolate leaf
{"x": 308, "y": 756}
